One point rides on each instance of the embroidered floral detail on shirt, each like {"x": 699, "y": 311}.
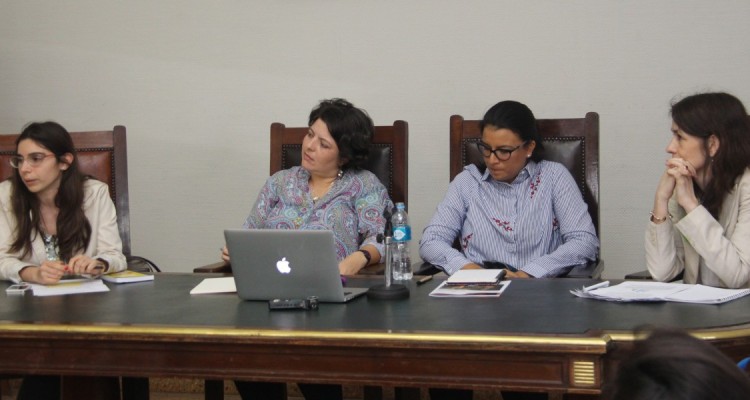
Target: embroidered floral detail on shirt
{"x": 534, "y": 185}
{"x": 465, "y": 241}
{"x": 555, "y": 224}
{"x": 503, "y": 224}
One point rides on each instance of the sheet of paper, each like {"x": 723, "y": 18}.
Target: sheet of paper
{"x": 708, "y": 295}
{"x": 660, "y": 291}
{"x": 87, "y": 286}
{"x": 215, "y": 285}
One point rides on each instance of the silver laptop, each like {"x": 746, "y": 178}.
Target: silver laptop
{"x": 286, "y": 264}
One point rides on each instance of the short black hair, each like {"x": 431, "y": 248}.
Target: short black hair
{"x": 351, "y": 128}
{"x": 518, "y": 118}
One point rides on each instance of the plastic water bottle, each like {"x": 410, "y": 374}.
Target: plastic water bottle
{"x": 401, "y": 238}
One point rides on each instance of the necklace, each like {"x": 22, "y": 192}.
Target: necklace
{"x": 51, "y": 247}
{"x": 315, "y": 198}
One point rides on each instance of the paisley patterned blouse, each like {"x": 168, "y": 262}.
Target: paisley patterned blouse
{"x": 352, "y": 208}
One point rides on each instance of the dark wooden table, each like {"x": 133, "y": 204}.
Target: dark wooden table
{"x": 535, "y": 337}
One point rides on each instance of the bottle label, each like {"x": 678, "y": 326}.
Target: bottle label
{"x": 402, "y": 233}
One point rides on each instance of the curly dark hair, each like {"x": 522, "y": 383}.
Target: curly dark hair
{"x": 351, "y": 128}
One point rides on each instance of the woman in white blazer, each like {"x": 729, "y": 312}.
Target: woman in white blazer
{"x": 700, "y": 222}
{"x": 54, "y": 220}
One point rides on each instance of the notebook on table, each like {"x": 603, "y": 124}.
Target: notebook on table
{"x": 272, "y": 264}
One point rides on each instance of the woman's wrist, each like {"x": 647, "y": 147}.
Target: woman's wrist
{"x": 657, "y": 219}
{"x": 103, "y": 263}
{"x": 660, "y": 212}
{"x": 690, "y": 205}
{"x": 367, "y": 256}
{"x": 29, "y": 273}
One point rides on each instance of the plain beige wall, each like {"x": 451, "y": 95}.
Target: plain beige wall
{"x": 197, "y": 84}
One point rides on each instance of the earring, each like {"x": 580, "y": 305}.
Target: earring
{"x": 528, "y": 156}
{"x": 339, "y": 174}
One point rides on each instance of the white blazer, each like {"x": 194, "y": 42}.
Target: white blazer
{"x": 105, "y": 240}
{"x": 711, "y": 252}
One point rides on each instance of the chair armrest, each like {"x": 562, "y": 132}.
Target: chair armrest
{"x": 219, "y": 267}
{"x": 590, "y": 270}
{"x": 141, "y": 264}
{"x": 644, "y": 275}
{"x": 425, "y": 268}
{"x": 374, "y": 269}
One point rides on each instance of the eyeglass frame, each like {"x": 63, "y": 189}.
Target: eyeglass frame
{"x": 17, "y": 161}
{"x": 484, "y": 148}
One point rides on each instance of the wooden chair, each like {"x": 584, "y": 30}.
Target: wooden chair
{"x": 102, "y": 155}
{"x": 388, "y": 161}
{"x": 573, "y": 142}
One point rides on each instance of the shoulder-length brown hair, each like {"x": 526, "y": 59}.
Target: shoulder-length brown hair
{"x": 723, "y": 115}
{"x": 73, "y": 229}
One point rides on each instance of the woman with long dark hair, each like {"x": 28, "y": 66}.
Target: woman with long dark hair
{"x": 54, "y": 221}
{"x": 700, "y": 223}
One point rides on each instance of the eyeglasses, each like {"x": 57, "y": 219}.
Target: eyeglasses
{"x": 502, "y": 154}
{"x": 34, "y": 160}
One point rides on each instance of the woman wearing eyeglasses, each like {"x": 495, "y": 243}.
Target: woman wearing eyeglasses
{"x": 520, "y": 211}
{"x": 54, "y": 221}
{"x": 700, "y": 223}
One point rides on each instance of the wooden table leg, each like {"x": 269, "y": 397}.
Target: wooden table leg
{"x": 214, "y": 389}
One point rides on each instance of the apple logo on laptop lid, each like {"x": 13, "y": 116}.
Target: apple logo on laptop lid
{"x": 283, "y": 266}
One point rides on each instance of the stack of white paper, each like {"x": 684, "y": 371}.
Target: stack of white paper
{"x": 659, "y": 291}
{"x": 472, "y": 283}
{"x": 85, "y": 286}
{"x": 475, "y": 276}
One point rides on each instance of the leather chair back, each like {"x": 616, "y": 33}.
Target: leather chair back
{"x": 388, "y": 154}
{"x": 573, "y": 142}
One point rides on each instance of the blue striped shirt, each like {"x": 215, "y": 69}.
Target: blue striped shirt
{"x": 538, "y": 224}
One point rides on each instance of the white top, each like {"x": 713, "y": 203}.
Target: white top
{"x": 105, "y": 240}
